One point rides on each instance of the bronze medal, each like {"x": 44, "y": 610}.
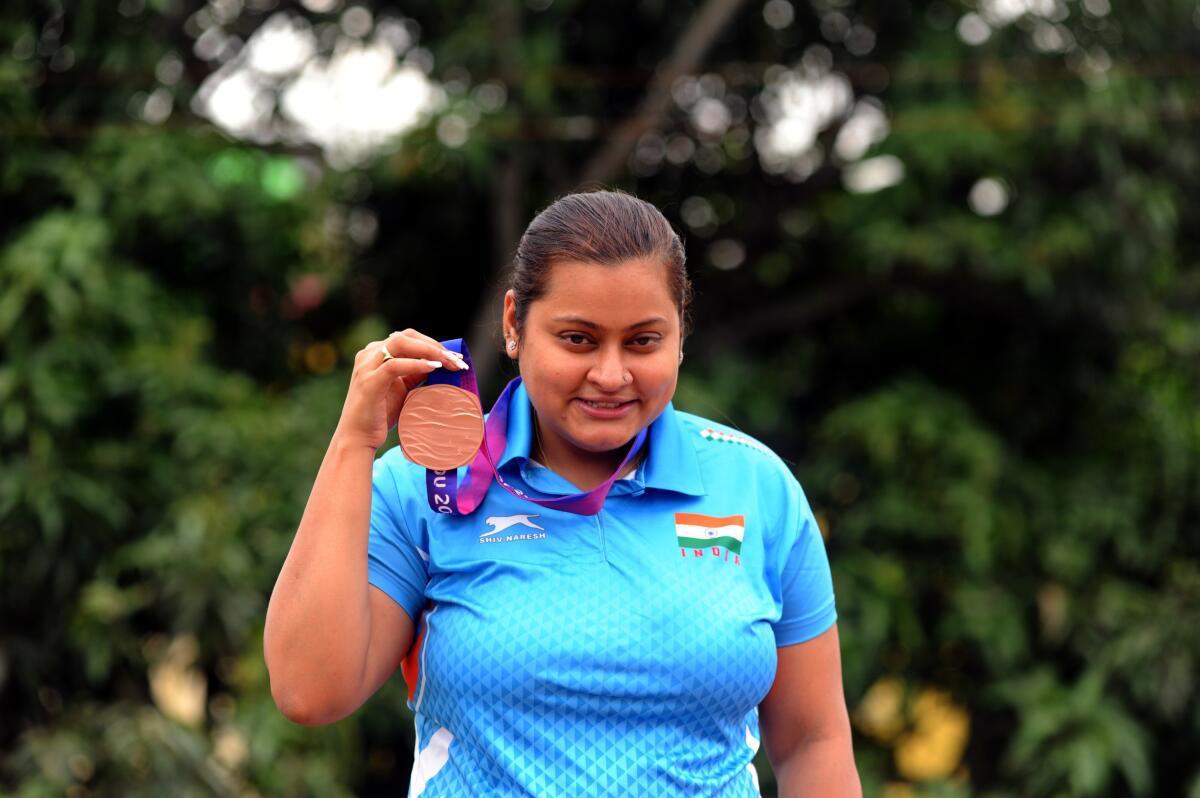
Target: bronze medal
{"x": 440, "y": 427}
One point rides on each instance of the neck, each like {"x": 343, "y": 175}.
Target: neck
{"x": 585, "y": 470}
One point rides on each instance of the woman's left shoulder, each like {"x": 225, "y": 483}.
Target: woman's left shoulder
{"x": 745, "y": 478}
{"x": 730, "y": 452}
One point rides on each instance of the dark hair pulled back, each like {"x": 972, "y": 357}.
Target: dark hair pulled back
{"x": 601, "y": 227}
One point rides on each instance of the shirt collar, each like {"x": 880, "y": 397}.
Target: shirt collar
{"x": 672, "y": 462}
{"x": 520, "y": 428}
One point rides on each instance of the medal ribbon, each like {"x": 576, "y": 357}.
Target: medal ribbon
{"x": 442, "y": 486}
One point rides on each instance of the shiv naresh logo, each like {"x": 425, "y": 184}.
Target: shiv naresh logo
{"x": 501, "y": 523}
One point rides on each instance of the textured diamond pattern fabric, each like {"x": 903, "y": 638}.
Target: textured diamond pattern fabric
{"x": 601, "y": 659}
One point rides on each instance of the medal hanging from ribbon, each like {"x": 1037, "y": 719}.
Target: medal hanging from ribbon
{"x": 441, "y": 427}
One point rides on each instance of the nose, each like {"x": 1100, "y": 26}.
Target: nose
{"x": 608, "y": 372}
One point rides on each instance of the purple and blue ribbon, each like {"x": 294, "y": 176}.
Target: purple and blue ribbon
{"x": 442, "y": 486}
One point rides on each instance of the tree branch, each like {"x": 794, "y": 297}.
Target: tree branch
{"x": 508, "y": 200}
{"x": 508, "y": 203}
{"x": 689, "y": 50}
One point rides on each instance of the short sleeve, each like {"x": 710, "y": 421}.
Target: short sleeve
{"x": 805, "y": 583}
{"x": 397, "y": 564}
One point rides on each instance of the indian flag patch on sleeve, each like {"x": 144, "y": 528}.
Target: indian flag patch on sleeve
{"x": 696, "y": 531}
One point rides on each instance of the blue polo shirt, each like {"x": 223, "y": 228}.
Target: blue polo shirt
{"x": 620, "y": 654}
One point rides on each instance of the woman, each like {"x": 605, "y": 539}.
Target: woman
{"x": 635, "y": 652}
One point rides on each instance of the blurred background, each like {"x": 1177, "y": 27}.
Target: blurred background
{"x": 945, "y": 262}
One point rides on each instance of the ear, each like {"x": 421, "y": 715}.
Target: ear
{"x": 509, "y": 322}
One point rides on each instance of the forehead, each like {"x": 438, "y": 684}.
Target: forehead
{"x": 609, "y": 294}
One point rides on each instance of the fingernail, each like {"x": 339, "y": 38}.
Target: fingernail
{"x": 437, "y": 364}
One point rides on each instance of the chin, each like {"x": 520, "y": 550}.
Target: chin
{"x": 598, "y": 444}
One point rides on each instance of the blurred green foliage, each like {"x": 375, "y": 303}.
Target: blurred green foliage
{"x": 994, "y": 411}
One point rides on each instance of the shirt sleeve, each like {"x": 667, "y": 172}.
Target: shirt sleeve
{"x": 805, "y": 583}
{"x": 397, "y": 563}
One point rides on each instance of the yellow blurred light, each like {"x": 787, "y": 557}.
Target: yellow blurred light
{"x": 231, "y": 746}
{"x": 320, "y": 358}
{"x": 934, "y": 749}
{"x": 879, "y": 714}
{"x": 179, "y": 690}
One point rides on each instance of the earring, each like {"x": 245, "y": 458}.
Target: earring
{"x": 680, "y": 355}
{"x": 512, "y": 345}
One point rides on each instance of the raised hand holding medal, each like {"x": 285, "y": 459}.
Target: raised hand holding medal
{"x": 383, "y": 374}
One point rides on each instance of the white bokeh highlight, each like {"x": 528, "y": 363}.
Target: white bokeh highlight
{"x": 797, "y": 104}
{"x": 867, "y": 126}
{"x": 351, "y": 102}
{"x": 873, "y": 174}
{"x": 988, "y": 197}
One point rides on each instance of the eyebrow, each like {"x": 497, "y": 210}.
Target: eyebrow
{"x": 585, "y": 323}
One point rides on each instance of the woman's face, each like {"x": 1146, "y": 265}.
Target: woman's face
{"x": 599, "y": 353}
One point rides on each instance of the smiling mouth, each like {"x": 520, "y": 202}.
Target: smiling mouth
{"x": 605, "y": 405}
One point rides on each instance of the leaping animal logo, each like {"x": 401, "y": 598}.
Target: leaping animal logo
{"x": 499, "y": 523}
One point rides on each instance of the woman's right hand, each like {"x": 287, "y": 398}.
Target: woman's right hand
{"x": 378, "y": 386}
